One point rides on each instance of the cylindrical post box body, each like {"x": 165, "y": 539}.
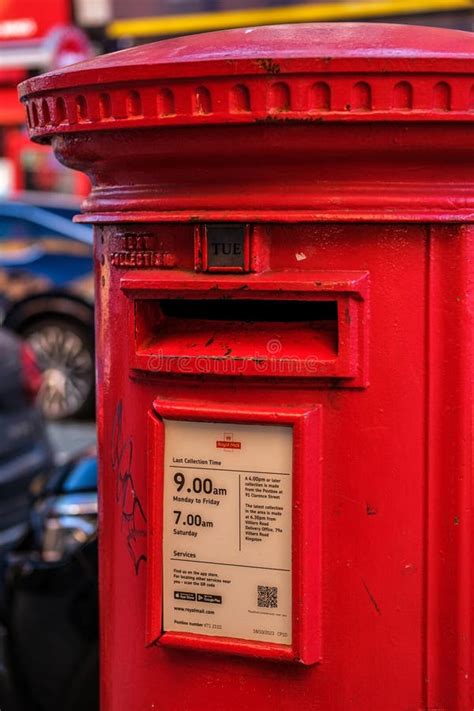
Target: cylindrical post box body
{"x": 284, "y": 233}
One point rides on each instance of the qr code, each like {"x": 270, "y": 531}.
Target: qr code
{"x": 267, "y": 596}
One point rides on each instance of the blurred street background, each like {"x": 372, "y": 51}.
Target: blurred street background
{"x": 48, "y": 473}
{"x": 69, "y": 438}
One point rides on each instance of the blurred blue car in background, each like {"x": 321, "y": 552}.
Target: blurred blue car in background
{"x": 46, "y": 295}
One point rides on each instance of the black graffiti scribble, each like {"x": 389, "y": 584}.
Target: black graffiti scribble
{"x": 133, "y": 519}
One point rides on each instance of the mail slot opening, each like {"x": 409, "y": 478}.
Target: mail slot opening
{"x": 250, "y": 311}
{"x": 298, "y": 335}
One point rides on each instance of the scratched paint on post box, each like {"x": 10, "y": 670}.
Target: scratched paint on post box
{"x": 227, "y": 530}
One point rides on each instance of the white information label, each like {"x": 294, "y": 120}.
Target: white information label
{"x": 227, "y": 530}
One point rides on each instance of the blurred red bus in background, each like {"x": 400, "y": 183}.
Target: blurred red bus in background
{"x": 34, "y": 37}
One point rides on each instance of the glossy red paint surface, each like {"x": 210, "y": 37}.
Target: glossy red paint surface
{"x": 348, "y": 152}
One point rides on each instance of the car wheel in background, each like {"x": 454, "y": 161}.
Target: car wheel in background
{"x": 64, "y": 350}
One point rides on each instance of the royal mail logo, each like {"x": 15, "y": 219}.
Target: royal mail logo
{"x": 228, "y": 442}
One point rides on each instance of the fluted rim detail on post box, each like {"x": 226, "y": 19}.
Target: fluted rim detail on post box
{"x": 249, "y": 99}
{"x": 324, "y": 72}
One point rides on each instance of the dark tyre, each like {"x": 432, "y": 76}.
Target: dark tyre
{"x": 65, "y": 352}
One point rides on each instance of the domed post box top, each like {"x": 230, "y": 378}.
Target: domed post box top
{"x": 281, "y": 94}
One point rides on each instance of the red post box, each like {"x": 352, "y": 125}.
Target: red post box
{"x": 283, "y": 222}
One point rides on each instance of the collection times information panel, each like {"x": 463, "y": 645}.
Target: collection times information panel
{"x": 227, "y": 530}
